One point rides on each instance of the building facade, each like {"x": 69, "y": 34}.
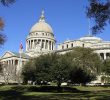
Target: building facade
{"x": 97, "y": 44}
{"x": 41, "y": 40}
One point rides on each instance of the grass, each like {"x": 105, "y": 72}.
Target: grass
{"x": 69, "y": 93}
{"x": 90, "y": 88}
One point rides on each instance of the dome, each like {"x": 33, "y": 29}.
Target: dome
{"x": 41, "y": 26}
{"x": 92, "y": 38}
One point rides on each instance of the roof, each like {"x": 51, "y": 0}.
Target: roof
{"x": 9, "y": 54}
{"x": 23, "y": 55}
{"x": 90, "y": 38}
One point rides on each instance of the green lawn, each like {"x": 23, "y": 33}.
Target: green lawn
{"x": 34, "y": 93}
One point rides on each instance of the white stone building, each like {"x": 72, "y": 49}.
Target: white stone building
{"x": 100, "y": 46}
{"x": 40, "y": 40}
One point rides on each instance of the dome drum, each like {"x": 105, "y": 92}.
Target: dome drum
{"x": 39, "y": 34}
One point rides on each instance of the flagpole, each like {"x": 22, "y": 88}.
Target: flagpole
{"x": 20, "y": 59}
{"x": 21, "y": 50}
{"x": 20, "y": 63}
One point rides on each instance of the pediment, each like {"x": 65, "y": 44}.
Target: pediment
{"x": 7, "y": 55}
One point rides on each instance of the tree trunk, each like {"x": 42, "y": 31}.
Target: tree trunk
{"x": 82, "y": 84}
{"x": 59, "y": 86}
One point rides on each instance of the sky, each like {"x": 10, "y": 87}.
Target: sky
{"x": 66, "y": 17}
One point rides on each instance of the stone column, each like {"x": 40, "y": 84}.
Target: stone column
{"x": 36, "y": 41}
{"x": 44, "y": 44}
{"x": 48, "y": 45}
{"x": 54, "y": 46}
{"x": 8, "y": 62}
{"x": 30, "y": 44}
{"x": 11, "y": 61}
{"x": 105, "y": 56}
{"x": 15, "y": 69}
{"x": 41, "y": 44}
{"x": 27, "y": 45}
{"x": 33, "y": 44}
{"x": 51, "y": 45}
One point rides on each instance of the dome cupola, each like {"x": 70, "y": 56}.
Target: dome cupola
{"x": 41, "y": 25}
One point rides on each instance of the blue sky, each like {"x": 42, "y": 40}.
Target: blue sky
{"x": 67, "y": 18}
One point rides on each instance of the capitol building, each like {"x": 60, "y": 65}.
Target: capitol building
{"x": 41, "y": 40}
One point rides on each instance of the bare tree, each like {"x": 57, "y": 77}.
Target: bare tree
{"x": 2, "y": 36}
{"x": 9, "y": 73}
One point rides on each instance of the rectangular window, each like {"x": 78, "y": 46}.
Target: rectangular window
{"x": 83, "y": 45}
{"x": 62, "y": 47}
{"x": 67, "y": 45}
{"x": 42, "y": 44}
{"x": 72, "y": 45}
